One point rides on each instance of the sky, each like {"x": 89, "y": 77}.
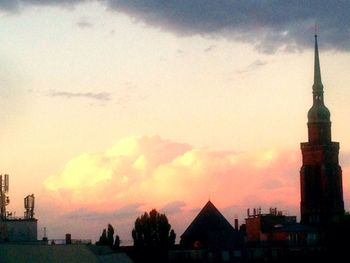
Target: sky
{"x": 111, "y": 108}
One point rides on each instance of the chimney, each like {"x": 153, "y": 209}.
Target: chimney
{"x": 236, "y": 223}
{"x": 68, "y": 239}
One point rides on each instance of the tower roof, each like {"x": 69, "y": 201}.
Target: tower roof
{"x": 208, "y": 219}
{"x": 210, "y": 229}
{"x": 317, "y": 70}
{"x": 318, "y": 112}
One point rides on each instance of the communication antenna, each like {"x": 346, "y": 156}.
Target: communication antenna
{"x": 4, "y": 199}
{"x": 7, "y": 183}
{"x": 29, "y": 206}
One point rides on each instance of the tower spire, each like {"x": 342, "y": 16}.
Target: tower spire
{"x": 320, "y": 176}
{"x": 318, "y": 112}
{"x": 317, "y": 70}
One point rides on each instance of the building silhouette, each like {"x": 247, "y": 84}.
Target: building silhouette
{"x": 211, "y": 230}
{"x": 262, "y": 227}
{"x": 14, "y": 228}
{"x": 320, "y": 175}
{"x": 209, "y": 238}
{"x": 323, "y": 231}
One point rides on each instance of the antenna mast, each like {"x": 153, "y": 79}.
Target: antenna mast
{"x": 4, "y": 199}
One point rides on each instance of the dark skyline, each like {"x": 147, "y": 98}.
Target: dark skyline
{"x": 104, "y": 100}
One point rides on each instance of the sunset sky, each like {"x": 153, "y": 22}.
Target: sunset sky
{"x": 111, "y": 108}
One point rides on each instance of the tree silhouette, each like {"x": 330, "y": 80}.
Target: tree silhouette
{"x": 110, "y": 235}
{"x": 172, "y": 238}
{"x": 103, "y": 239}
{"x": 116, "y": 243}
{"x": 153, "y": 236}
{"x": 153, "y": 231}
{"x": 107, "y": 238}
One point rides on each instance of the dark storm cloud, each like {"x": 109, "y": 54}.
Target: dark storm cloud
{"x": 9, "y": 5}
{"x": 53, "y": 2}
{"x": 269, "y": 25}
{"x": 13, "y": 5}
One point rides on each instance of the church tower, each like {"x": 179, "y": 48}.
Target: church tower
{"x": 320, "y": 176}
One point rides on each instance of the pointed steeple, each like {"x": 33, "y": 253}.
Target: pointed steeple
{"x": 317, "y": 70}
{"x": 317, "y": 87}
{"x": 318, "y": 111}
{"x": 322, "y": 202}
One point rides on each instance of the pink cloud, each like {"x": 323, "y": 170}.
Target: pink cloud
{"x": 155, "y": 173}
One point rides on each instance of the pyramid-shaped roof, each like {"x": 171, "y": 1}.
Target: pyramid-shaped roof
{"x": 209, "y": 218}
{"x": 210, "y": 229}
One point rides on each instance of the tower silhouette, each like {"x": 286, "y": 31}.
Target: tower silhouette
{"x": 320, "y": 175}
